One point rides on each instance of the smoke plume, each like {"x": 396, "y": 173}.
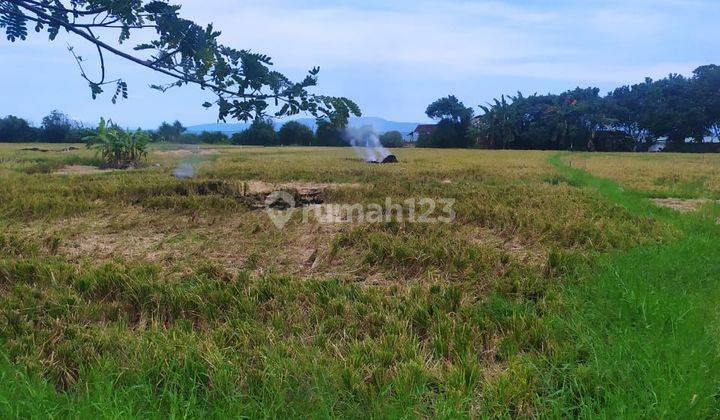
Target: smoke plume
{"x": 366, "y": 143}
{"x": 186, "y": 168}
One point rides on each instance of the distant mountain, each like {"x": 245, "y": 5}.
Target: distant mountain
{"x": 222, "y": 127}
{"x": 381, "y": 125}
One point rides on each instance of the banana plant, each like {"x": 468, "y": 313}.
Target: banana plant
{"x": 118, "y": 148}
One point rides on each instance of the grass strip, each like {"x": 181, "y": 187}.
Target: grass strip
{"x": 639, "y": 338}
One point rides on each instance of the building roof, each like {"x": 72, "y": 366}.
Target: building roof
{"x": 425, "y": 129}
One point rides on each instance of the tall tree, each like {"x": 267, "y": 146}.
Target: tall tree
{"x": 497, "y": 126}
{"x": 243, "y": 82}
{"x": 706, "y": 86}
{"x": 260, "y": 133}
{"x": 170, "y": 132}
{"x": 56, "y": 127}
{"x": 625, "y": 107}
{"x": 449, "y": 108}
{"x": 673, "y": 109}
{"x": 295, "y": 133}
{"x": 454, "y": 120}
{"x": 15, "y": 129}
{"x": 329, "y": 135}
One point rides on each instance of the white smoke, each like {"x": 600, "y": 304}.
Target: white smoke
{"x": 184, "y": 170}
{"x": 366, "y": 143}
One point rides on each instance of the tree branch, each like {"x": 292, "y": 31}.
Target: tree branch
{"x": 71, "y": 28}
{"x": 243, "y": 82}
{"x": 72, "y": 11}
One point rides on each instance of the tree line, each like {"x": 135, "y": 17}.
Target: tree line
{"x": 683, "y": 111}
{"x": 57, "y": 127}
{"x": 262, "y": 133}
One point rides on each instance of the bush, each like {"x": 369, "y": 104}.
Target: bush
{"x": 295, "y": 133}
{"x": 119, "y": 149}
{"x": 260, "y": 133}
{"x": 392, "y": 139}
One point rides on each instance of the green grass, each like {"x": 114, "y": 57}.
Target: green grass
{"x": 657, "y": 174}
{"x": 555, "y": 293}
{"x": 643, "y": 324}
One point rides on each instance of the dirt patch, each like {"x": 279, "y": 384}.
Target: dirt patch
{"x": 681, "y": 205}
{"x": 245, "y": 241}
{"x": 80, "y": 170}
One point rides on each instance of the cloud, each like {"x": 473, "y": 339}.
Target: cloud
{"x": 458, "y": 35}
{"x": 395, "y": 57}
{"x": 445, "y": 39}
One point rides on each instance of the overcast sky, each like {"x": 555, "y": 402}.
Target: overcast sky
{"x": 395, "y": 57}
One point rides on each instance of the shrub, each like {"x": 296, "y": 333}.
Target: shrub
{"x": 118, "y": 148}
{"x": 295, "y": 133}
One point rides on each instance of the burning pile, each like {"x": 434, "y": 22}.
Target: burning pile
{"x": 387, "y": 159}
{"x": 366, "y": 143}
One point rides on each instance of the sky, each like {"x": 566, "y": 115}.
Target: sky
{"x": 392, "y": 57}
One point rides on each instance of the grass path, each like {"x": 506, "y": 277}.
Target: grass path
{"x": 644, "y": 323}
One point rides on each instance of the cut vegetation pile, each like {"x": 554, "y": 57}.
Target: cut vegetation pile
{"x": 135, "y": 291}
